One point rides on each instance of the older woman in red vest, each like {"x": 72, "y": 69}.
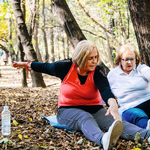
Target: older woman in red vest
{"x": 82, "y": 90}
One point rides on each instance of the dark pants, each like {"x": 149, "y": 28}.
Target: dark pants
{"x": 138, "y": 115}
{"x": 92, "y": 124}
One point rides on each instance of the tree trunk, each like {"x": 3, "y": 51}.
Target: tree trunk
{"x": 67, "y": 47}
{"x": 6, "y": 59}
{"x": 36, "y": 26}
{"x": 109, "y": 52}
{"x": 63, "y": 46}
{"x": 52, "y": 44}
{"x": 36, "y": 44}
{"x": 140, "y": 16}
{"x": 7, "y": 51}
{"x": 4, "y": 48}
{"x": 32, "y": 17}
{"x": 68, "y": 22}
{"x": 21, "y": 58}
{"x": 44, "y": 33}
{"x": 37, "y": 79}
{"x": 70, "y": 26}
{"x": 33, "y": 27}
{"x": 57, "y": 47}
{"x": 52, "y": 57}
{"x": 11, "y": 50}
{"x": 21, "y": 53}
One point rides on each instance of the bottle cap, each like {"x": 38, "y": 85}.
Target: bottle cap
{"x": 5, "y": 107}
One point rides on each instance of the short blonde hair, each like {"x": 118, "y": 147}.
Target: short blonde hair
{"x": 124, "y": 48}
{"x": 82, "y": 51}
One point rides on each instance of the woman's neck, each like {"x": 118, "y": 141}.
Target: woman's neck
{"x": 82, "y": 72}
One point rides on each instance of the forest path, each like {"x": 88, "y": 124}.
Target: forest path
{"x": 11, "y": 77}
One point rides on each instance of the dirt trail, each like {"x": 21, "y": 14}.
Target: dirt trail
{"x": 11, "y": 77}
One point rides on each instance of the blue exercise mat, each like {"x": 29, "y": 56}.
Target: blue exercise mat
{"x": 54, "y": 123}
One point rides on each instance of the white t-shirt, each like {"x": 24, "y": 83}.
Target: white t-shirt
{"x": 130, "y": 89}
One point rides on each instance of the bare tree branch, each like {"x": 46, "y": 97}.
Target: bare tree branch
{"x": 4, "y": 48}
{"x": 93, "y": 34}
{"x": 105, "y": 30}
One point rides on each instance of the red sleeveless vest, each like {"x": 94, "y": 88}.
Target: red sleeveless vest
{"x": 72, "y": 93}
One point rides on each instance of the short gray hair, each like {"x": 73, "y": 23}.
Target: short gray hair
{"x": 124, "y": 48}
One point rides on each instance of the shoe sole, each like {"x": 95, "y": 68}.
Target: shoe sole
{"x": 116, "y": 132}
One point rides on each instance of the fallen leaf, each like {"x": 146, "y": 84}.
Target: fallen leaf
{"x": 20, "y": 136}
{"x": 30, "y": 119}
{"x": 15, "y": 122}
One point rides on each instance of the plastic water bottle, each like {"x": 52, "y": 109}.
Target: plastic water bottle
{"x": 6, "y": 121}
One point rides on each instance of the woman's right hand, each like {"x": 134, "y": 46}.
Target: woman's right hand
{"x": 19, "y": 65}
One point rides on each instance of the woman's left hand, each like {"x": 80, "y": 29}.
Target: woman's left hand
{"x": 113, "y": 109}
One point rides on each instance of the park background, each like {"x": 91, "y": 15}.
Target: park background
{"x": 47, "y": 31}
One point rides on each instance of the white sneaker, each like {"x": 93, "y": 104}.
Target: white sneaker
{"x": 110, "y": 138}
{"x": 148, "y": 125}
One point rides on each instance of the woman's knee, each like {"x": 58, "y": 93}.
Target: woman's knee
{"x": 73, "y": 118}
{"x": 134, "y": 114}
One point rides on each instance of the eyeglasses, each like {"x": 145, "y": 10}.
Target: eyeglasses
{"x": 128, "y": 59}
